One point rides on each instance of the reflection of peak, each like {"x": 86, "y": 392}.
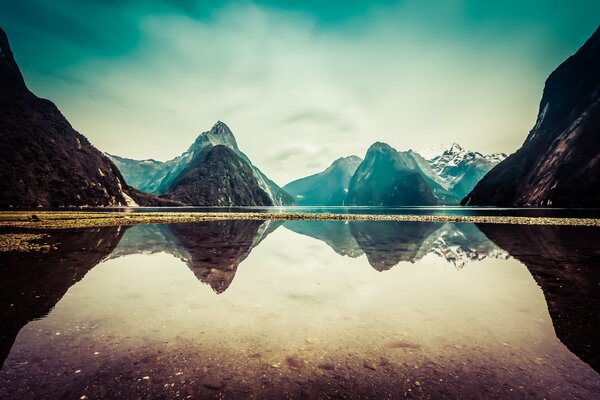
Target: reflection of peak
{"x": 460, "y": 244}
{"x": 386, "y": 243}
{"x": 149, "y": 239}
{"x": 217, "y": 248}
{"x": 212, "y": 250}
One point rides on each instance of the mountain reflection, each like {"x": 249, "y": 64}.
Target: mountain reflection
{"x": 565, "y": 263}
{"x": 33, "y": 282}
{"x": 212, "y": 250}
{"x": 387, "y": 243}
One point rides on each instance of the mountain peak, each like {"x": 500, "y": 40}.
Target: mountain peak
{"x": 455, "y": 148}
{"x": 11, "y": 79}
{"x": 218, "y": 134}
{"x": 347, "y": 160}
{"x": 220, "y": 128}
{"x": 379, "y": 147}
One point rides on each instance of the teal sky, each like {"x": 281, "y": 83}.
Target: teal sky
{"x": 300, "y": 83}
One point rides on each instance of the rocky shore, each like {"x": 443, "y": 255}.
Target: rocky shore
{"x": 86, "y": 219}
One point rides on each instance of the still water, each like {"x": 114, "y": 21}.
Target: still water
{"x": 303, "y": 309}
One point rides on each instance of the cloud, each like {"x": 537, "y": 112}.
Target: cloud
{"x": 299, "y": 92}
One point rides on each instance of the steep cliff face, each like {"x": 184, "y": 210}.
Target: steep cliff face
{"x": 45, "y": 162}
{"x": 559, "y": 163}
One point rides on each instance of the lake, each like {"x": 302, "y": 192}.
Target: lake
{"x": 303, "y": 309}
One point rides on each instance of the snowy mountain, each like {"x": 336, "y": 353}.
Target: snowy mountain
{"x": 461, "y": 169}
{"x": 327, "y": 188}
{"x": 158, "y": 178}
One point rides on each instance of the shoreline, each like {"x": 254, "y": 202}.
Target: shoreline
{"x": 87, "y": 219}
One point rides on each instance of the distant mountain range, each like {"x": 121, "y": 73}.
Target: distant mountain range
{"x": 559, "y": 163}
{"x": 212, "y": 172}
{"x": 387, "y": 177}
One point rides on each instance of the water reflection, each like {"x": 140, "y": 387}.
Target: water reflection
{"x": 213, "y": 251}
{"x": 300, "y": 319}
{"x": 565, "y": 263}
{"x": 387, "y": 243}
{"x": 32, "y": 283}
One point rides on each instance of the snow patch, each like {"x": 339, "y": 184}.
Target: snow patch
{"x": 541, "y": 118}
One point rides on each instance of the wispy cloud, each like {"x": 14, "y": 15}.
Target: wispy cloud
{"x": 297, "y": 89}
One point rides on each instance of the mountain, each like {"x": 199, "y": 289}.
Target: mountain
{"x": 45, "y": 162}
{"x": 327, "y": 188}
{"x": 462, "y": 169}
{"x": 387, "y": 177}
{"x": 559, "y": 162}
{"x": 219, "y": 178}
{"x": 159, "y": 178}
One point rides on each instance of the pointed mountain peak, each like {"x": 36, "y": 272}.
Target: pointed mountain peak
{"x": 11, "y": 80}
{"x": 218, "y": 134}
{"x": 455, "y": 148}
{"x": 379, "y": 147}
{"x": 220, "y": 128}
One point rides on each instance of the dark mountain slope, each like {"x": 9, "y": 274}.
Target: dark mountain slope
{"x": 559, "y": 163}
{"x": 45, "y": 162}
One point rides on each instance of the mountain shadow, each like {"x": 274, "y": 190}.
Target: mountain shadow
{"x": 565, "y": 263}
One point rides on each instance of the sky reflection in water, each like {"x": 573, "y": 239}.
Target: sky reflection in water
{"x": 256, "y": 309}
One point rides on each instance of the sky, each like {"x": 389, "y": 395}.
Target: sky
{"x": 300, "y": 83}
